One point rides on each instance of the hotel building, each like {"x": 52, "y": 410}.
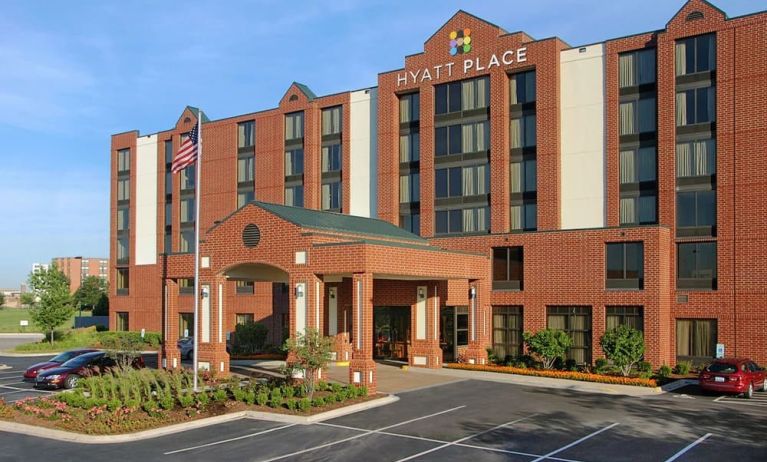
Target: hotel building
{"x": 495, "y": 184}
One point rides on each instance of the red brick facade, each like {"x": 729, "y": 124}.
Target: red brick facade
{"x": 562, "y": 267}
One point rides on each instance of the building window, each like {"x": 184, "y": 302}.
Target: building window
{"x": 294, "y": 196}
{"x": 638, "y": 165}
{"x": 245, "y": 196}
{"x": 410, "y": 147}
{"x": 187, "y": 210}
{"x": 523, "y": 131}
{"x": 168, "y": 181}
{"x": 696, "y": 265}
{"x": 640, "y": 209}
{"x": 637, "y": 68}
{"x": 470, "y": 220}
{"x": 576, "y": 321}
{"x": 624, "y": 265}
{"x": 696, "y": 209}
{"x": 508, "y": 268}
{"x": 331, "y": 196}
{"x": 522, "y": 87}
{"x": 123, "y": 161}
{"x": 411, "y": 222}
{"x": 696, "y": 158}
{"x": 331, "y": 121}
{"x": 294, "y": 126}
{"x": 122, "y": 218}
{"x": 696, "y": 54}
{"x": 524, "y": 176}
{"x": 294, "y": 162}
{"x": 186, "y": 243}
{"x": 410, "y": 188}
{"x": 409, "y": 108}
{"x": 123, "y": 281}
{"x": 246, "y": 287}
{"x": 695, "y": 339}
{"x": 187, "y": 178}
{"x": 123, "y": 189}
{"x": 696, "y": 106}
{"x": 331, "y": 158}
{"x": 121, "y": 321}
{"x": 185, "y": 324}
{"x": 244, "y": 318}
{"x": 638, "y": 116}
{"x": 246, "y": 169}
{"x": 123, "y": 253}
{"x": 461, "y": 325}
{"x": 457, "y": 139}
{"x": 631, "y": 316}
{"x": 186, "y": 286}
{"x": 462, "y": 96}
{"x": 524, "y": 217}
{"x": 246, "y": 134}
{"x": 507, "y": 331}
{"x": 461, "y": 181}
{"x": 447, "y": 140}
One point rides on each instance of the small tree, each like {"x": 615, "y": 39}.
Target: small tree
{"x": 102, "y": 307}
{"x": 624, "y": 346}
{"x": 548, "y": 345}
{"x": 27, "y": 299}
{"x": 92, "y": 289}
{"x": 311, "y": 352}
{"x": 123, "y": 347}
{"x": 53, "y": 303}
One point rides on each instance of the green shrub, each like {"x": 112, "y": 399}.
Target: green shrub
{"x": 624, "y": 346}
{"x": 203, "y": 398}
{"x": 291, "y": 404}
{"x": 362, "y": 391}
{"x": 167, "y": 401}
{"x": 644, "y": 367}
{"x": 601, "y": 366}
{"x": 249, "y": 338}
{"x": 289, "y": 391}
{"x": 664, "y": 371}
{"x": 238, "y": 393}
{"x": 304, "y": 404}
{"x": 113, "y": 405}
{"x": 548, "y": 345}
{"x": 250, "y": 397}
{"x": 186, "y": 400}
{"x": 275, "y": 398}
{"x": 262, "y": 398}
{"x": 336, "y": 387}
{"x": 683, "y": 367}
{"x": 318, "y": 402}
{"x": 149, "y": 406}
{"x": 220, "y": 395}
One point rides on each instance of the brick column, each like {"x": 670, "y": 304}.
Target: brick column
{"x": 426, "y": 352}
{"x": 214, "y": 351}
{"x": 362, "y": 368}
{"x": 169, "y": 351}
{"x": 478, "y": 318}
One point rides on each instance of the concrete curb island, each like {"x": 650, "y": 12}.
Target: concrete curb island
{"x": 72, "y": 437}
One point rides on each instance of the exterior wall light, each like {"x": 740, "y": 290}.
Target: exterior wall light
{"x": 205, "y": 292}
{"x": 299, "y": 291}
{"x": 472, "y": 293}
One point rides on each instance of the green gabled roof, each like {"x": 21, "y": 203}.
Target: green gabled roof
{"x": 305, "y": 90}
{"x": 316, "y": 219}
{"x": 196, "y": 113}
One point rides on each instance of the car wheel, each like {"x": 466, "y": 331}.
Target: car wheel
{"x": 71, "y": 381}
{"x": 750, "y": 392}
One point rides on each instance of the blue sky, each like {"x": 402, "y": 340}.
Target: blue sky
{"x": 73, "y": 73}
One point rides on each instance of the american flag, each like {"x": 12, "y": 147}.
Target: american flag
{"x": 187, "y": 152}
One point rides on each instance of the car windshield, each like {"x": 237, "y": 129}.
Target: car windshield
{"x": 81, "y": 360}
{"x": 722, "y": 368}
{"x": 64, "y": 357}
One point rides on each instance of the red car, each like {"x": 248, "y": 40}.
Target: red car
{"x": 56, "y": 361}
{"x": 733, "y": 375}
{"x": 68, "y": 374}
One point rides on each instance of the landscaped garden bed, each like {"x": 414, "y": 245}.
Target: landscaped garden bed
{"x": 556, "y": 374}
{"x": 132, "y": 400}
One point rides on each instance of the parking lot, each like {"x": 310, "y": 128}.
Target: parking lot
{"x": 471, "y": 420}
{"x": 12, "y": 385}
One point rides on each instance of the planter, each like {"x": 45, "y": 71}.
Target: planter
{"x": 568, "y": 375}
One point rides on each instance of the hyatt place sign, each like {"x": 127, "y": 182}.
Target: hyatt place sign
{"x": 470, "y": 65}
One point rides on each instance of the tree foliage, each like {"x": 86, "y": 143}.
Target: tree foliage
{"x": 2, "y": 299}
{"x": 27, "y": 299}
{"x": 311, "y": 352}
{"x": 53, "y": 302}
{"x": 249, "y": 337}
{"x": 624, "y": 346}
{"x": 90, "y": 292}
{"x": 548, "y": 345}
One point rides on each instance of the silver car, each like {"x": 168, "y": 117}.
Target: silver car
{"x": 186, "y": 347}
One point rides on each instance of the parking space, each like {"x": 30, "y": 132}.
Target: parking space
{"x": 12, "y": 384}
{"x": 738, "y": 403}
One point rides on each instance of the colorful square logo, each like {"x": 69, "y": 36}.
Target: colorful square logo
{"x": 460, "y": 42}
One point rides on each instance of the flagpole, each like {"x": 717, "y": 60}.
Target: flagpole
{"x": 197, "y": 293}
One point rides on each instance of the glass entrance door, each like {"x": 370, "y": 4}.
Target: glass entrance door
{"x": 391, "y": 327}
{"x": 447, "y": 334}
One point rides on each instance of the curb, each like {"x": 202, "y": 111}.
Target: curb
{"x": 72, "y": 437}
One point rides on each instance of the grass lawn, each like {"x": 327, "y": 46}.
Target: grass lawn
{"x": 10, "y": 317}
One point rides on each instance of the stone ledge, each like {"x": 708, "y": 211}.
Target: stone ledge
{"x": 72, "y": 437}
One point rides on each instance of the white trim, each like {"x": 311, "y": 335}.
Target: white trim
{"x": 578, "y": 441}
{"x": 317, "y": 296}
{"x": 220, "y": 313}
{"x": 332, "y": 311}
{"x": 300, "y": 303}
{"x": 359, "y": 314}
{"x": 145, "y": 241}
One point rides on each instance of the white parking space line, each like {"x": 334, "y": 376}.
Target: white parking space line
{"x": 368, "y": 432}
{"x": 576, "y": 442}
{"x": 465, "y": 438}
{"x": 688, "y": 447}
{"x": 251, "y": 435}
{"x": 8, "y": 371}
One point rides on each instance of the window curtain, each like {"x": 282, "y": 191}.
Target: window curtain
{"x": 647, "y": 167}
{"x": 683, "y": 334}
{"x": 516, "y": 217}
{"x": 627, "y": 210}
{"x": 612, "y": 322}
{"x": 326, "y": 159}
{"x": 683, "y": 160}
{"x": 336, "y": 120}
{"x": 627, "y": 118}
{"x": 288, "y": 163}
{"x": 516, "y": 177}
{"x": 705, "y": 156}
{"x": 479, "y": 136}
{"x": 404, "y": 151}
{"x": 481, "y": 186}
{"x": 482, "y": 93}
{"x": 468, "y": 220}
{"x": 516, "y": 133}
{"x": 481, "y": 214}
{"x": 404, "y": 109}
{"x": 702, "y": 339}
{"x": 557, "y": 321}
{"x": 681, "y": 58}
{"x": 467, "y": 95}
{"x": 326, "y": 122}
{"x": 513, "y": 93}
{"x": 467, "y": 138}
{"x": 404, "y": 189}
{"x": 299, "y": 126}
{"x": 627, "y": 70}
{"x": 578, "y": 332}
{"x": 681, "y": 108}
{"x": 469, "y": 188}
{"x": 325, "y": 196}
{"x": 646, "y": 66}
{"x": 289, "y": 127}
{"x": 628, "y": 172}
{"x": 289, "y": 196}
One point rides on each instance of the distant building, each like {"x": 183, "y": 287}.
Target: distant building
{"x": 12, "y": 298}
{"x": 78, "y": 268}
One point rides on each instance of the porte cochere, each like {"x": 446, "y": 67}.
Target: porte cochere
{"x": 378, "y": 290}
